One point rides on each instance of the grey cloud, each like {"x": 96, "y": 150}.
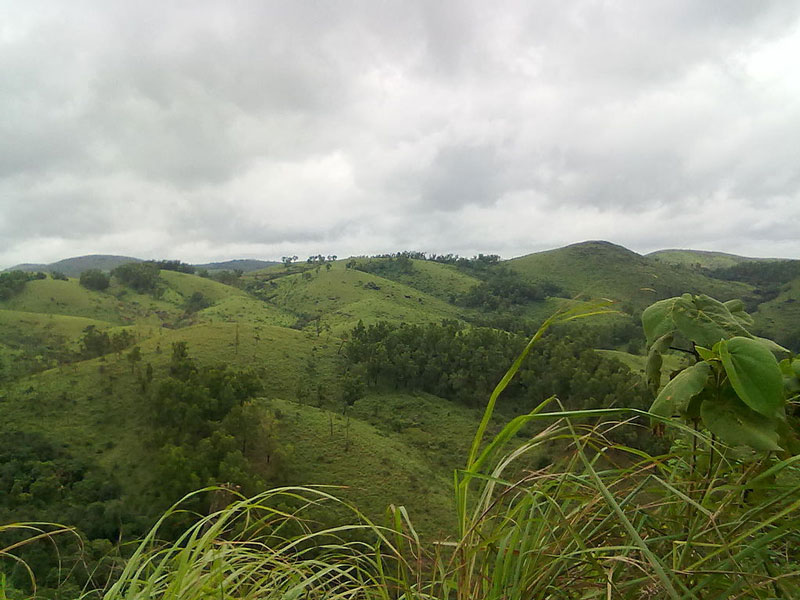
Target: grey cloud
{"x": 385, "y": 123}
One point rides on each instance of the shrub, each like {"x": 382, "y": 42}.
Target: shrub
{"x": 94, "y": 279}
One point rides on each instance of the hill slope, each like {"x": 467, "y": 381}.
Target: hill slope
{"x": 603, "y": 269}
{"x": 701, "y": 258}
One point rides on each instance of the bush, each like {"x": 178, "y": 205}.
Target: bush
{"x": 13, "y": 282}
{"x": 95, "y": 279}
{"x": 141, "y": 277}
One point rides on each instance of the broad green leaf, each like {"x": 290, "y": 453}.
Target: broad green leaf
{"x": 773, "y": 347}
{"x": 736, "y": 308}
{"x": 754, "y": 374}
{"x": 657, "y": 319}
{"x": 737, "y": 425}
{"x": 674, "y": 398}
{"x": 705, "y": 320}
{"x": 652, "y": 369}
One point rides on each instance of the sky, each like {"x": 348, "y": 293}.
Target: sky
{"x": 258, "y": 129}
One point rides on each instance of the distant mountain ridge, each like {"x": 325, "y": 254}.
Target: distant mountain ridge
{"x": 703, "y": 258}
{"x": 73, "y": 267}
{"x": 592, "y": 250}
{"x": 243, "y": 264}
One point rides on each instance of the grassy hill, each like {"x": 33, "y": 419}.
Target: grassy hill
{"x": 701, "y": 258}
{"x": 73, "y": 267}
{"x": 602, "y": 269}
{"x": 242, "y": 264}
{"x": 340, "y": 297}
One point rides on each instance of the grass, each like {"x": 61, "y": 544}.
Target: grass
{"x": 341, "y": 297}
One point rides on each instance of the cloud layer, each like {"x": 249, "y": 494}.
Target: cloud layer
{"x": 207, "y": 130}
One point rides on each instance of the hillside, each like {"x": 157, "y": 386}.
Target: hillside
{"x": 705, "y": 259}
{"x": 336, "y": 299}
{"x": 241, "y": 264}
{"x": 603, "y": 269}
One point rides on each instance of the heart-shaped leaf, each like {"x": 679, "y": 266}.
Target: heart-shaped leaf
{"x": 737, "y": 425}
{"x": 705, "y": 320}
{"x": 657, "y": 319}
{"x": 674, "y": 398}
{"x": 754, "y": 374}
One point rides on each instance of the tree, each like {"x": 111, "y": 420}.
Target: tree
{"x": 141, "y": 277}
{"x": 134, "y": 357}
{"x": 94, "y": 342}
{"x": 94, "y": 279}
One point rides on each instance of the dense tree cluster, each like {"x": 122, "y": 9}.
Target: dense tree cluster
{"x": 196, "y": 302}
{"x": 95, "y": 342}
{"x": 95, "y": 279}
{"x": 208, "y": 429}
{"x": 141, "y": 277}
{"x": 13, "y": 282}
{"x": 42, "y": 482}
{"x": 464, "y": 365}
{"x": 389, "y": 266}
{"x": 503, "y": 289}
{"x": 174, "y": 265}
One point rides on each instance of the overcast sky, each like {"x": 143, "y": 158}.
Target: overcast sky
{"x": 214, "y": 130}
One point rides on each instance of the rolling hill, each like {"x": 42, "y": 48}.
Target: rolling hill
{"x": 603, "y": 269}
{"x": 705, "y": 259}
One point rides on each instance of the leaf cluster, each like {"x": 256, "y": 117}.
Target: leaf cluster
{"x": 735, "y": 386}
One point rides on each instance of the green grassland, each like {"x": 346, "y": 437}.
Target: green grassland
{"x": 341, "y": 297}
{"x": 700, "y": 258}
{"x": 118, "y": 304}
{"x": 601, "y": 269}
{"x": 437, "y": 279}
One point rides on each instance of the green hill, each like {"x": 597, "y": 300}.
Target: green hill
{"x": 242, "y": 264}
{"x": 701, "y": 258}
{"x": 603, "y": 269}
{"x": 73, "y": 267}
{"x": 340, "y": 297}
